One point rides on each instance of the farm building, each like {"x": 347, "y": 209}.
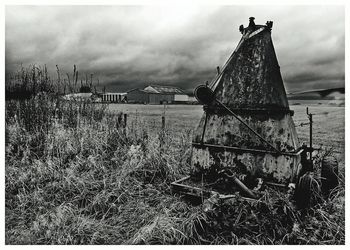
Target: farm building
{"x": 113, "y": 97}
{"x": 77, "y": 96}
{"x": 156, "y": 94}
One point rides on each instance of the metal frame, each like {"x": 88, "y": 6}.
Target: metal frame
{"x": 249, "y": 150}
{"x": 200, "y": 193}
{"x": 179, "y": 187}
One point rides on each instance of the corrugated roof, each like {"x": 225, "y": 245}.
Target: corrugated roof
{"x": 164, "y": 89}
{"x": 137, "y": 89}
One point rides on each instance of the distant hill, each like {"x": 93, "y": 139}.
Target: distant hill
{"x": 318, "y": 95}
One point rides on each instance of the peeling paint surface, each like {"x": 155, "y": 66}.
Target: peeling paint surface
{"x": 281, "y": 169}
{"x": 252, "y": 78}
{"x": 227, "y": 130}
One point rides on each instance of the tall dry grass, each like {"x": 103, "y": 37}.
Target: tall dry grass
{"x": 81, "y": 184}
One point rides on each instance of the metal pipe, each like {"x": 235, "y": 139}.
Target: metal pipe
{"x": 310, "y": 122}
{"x": 310, "y": 117}
{"x": 295, "y": 153}
{"x": 241, "y": 186}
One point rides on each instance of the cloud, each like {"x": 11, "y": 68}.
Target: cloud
{"x": 130, "y": 46}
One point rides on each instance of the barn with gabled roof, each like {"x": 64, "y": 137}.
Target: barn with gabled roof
{"x": 157, "y": 94}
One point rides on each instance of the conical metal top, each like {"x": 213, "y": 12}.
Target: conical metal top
{"x": 251, "y": 77}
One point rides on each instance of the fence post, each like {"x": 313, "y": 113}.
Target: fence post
{"x": 162, "y": 134}
{"x": 125, "y": 123}
{"x": 119, "y": 123}
{"x": 125, "y": 120}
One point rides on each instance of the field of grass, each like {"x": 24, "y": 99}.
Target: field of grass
{"x": 74, "y": 175}
{"x": 328, "y": 127}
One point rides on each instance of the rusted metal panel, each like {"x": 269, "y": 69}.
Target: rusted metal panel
{"x": 226, "y": 130}
{"x": 252, "y": 78}
{"x": 274, "y": 168}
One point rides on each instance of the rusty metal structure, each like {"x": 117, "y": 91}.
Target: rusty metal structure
{"x": 258, "y": 137}
{"x": 247, "y": 132}
{"x": 247, "y": 138}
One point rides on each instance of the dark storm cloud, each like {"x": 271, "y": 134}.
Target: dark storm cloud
{"x": 128, "y": 47}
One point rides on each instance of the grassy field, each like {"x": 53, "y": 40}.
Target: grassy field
{"x": 328, "y": 127}
{"x": 75, "y": 176}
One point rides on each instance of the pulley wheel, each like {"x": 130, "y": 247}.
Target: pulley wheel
{"x": 204, "y": 95}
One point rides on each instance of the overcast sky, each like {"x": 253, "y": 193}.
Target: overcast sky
{"x": 132, "y": 46}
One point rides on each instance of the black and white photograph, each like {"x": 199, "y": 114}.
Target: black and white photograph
{"x": 175, "y": 123}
